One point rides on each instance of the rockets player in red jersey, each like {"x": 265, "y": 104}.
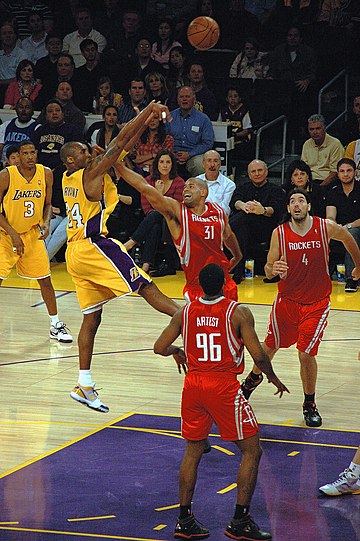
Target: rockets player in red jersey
{"x": 299, "y": 251}
{"x": 215, "y": 330}
{"x": 198, "y": 229}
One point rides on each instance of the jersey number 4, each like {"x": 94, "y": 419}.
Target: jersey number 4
{"x": 206, "y": 342}
{"x": 74, "y": 215}
{"x": 304, "y": 259}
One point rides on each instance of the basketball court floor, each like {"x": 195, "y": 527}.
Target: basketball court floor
{"x": 69, "y": 473}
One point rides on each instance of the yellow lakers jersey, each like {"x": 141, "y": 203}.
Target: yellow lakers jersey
{"x": 87, "y": 218}
{"x": 24, "y": 201}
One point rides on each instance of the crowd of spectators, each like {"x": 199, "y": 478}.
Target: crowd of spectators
{"x": 112, "y": 57}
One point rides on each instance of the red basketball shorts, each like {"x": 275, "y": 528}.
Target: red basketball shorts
{"x": 218, "y": 398}
{"x": 301, "y": 324}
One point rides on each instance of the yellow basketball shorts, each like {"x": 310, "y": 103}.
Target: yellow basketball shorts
{"x": 102, "y": 269}
{"x": 33, "y": 264}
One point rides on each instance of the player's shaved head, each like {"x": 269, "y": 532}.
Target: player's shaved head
{"x": 68, "y": 149}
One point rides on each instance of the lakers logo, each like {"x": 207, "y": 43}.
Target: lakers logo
{"x": 134, "y": 274}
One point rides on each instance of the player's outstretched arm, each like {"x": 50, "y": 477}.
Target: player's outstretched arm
{"x": 337, "y": 232}
{"x": 126, "y": 138}
{"x": 164, "y": 344}
{"x": 244, "y": 323}
{"x": 165, "y": 205}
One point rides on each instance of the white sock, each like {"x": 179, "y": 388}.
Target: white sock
{"x": 355, "y": 469}
{"x": 85, "y": 378}
{"x": 54, "y": 320}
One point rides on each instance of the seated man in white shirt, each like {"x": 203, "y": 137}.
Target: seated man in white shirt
{"x": 85, "y": 30}
{"x": 220, "y": 187}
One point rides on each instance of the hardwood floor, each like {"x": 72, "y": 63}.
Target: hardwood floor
{"x": 37, "y": 374}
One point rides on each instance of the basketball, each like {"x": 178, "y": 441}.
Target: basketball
{"x": 203, "y": 33}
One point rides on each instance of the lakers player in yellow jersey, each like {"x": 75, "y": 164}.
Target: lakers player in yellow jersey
{"x": 100, "y": 266}
{"x": 25, "y": 194}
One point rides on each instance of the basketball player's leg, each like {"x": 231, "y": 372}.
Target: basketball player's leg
{"x": 248, "y": 470}
{"x": 242, "y": 526}
{"x": 308, "y": 372}
{"x": 58, "y": 329}
{"x": 84, "y": 392}
{"x": 187, "y": 526}
{"x": 152, "y": 294}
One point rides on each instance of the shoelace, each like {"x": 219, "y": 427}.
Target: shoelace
{"x": 63, "y": 329}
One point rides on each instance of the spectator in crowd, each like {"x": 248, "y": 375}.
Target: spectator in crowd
{"x": 352, "y": 151}
{"x": 240, "y": 25}
{"x": 220, "y": 187}
{"x": 138, "y": 101}
{"x": 322, "y": 151}
{"x": 85, "y": 30}
{"x": 108, "y": 18}
{"x": 121, "y": 44}
{"x": 256, "y": 207}
{"x": 45, "y": 67}
{"x": 87, "y": 76}
{"x": 237, "y": 113}
{"x": 298, "y": 175}
{"x": 21, "y": 9}
{"x": 296, "y": 62}
{"x": 10, "y": 55}
{"x": 142, "y": 63}
{"x": 105, "y": 96}
{"x": 109, "y": 129}
{"x": 72, "y": 114}
{"x": 12, "y": 156}
{"x": 343, "y": 207}
{"x": 178, "y": 72}
{"x": 250, "y": 63}
{"x": 205, "y": 99}
{"x": 57, "y": 236}
{"x": 65, "y": 67}
{"x": 25, "y": 85}
{"x": 148, "y": 235}
{"x": 34, "y": 45}
{"x": 160, "y": 49}
{"x": 19, "y": 128}
{"x": 156, "y": 87}
{"x": 153, "y": 140}
{"x": 350, "y": 129}
{"x": 51, "y": 136}
{"x": 193, "y": 134}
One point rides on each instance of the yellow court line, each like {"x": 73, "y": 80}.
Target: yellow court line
{"x": 167, "y": 507}
{"x": 333, "y": 445}
{"x": 61, "y": 447}
{"x": 9, "y": 523}
{"x": 148, "y": 430}
{"x": 159, "y": 527}
{"x": 227, "y": 489}
{"x": 286, "y": 423}
{"x": 82, "y": 534}
{"x": 223, "y": 450}
{"x": 89, "y": 518}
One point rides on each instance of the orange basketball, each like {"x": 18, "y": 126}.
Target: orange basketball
{"x": 203, "y": 33}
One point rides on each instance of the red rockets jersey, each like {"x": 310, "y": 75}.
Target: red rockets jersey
{"x": 210, "y": 342}
{"x": 200, "y": 241}
{"x": 307, "y": 279}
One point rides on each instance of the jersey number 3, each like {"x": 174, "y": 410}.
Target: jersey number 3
{"x": 206, "y": 342}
